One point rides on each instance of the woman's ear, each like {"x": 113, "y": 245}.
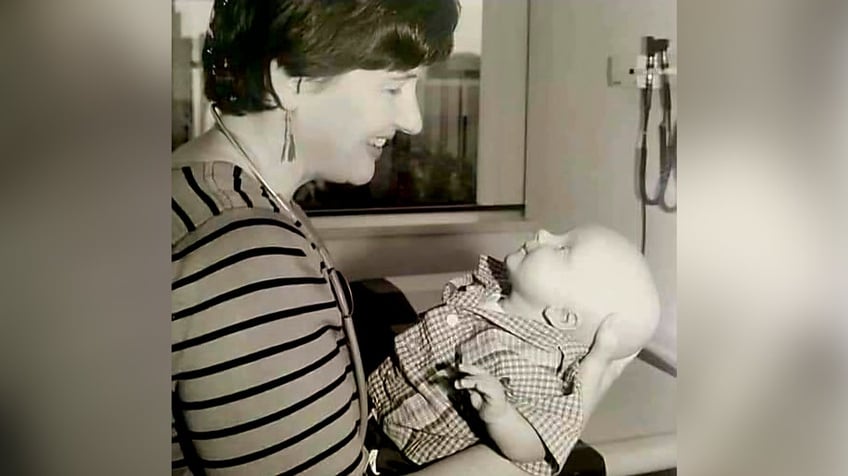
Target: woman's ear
{"x": 561, "y": 318}
{"x": 284, "y": 86}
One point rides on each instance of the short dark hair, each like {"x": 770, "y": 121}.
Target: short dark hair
{"x": 317, "y": 38}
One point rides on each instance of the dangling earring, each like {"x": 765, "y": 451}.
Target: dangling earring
{"x": 288, "y": 144}
{"x": 288, "y": 154}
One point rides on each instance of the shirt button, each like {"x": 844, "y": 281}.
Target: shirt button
{"x": 452, "y": 320}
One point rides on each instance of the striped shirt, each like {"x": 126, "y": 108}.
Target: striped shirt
{"x": 537, "y": 364}
{"x": 262, "y": 376}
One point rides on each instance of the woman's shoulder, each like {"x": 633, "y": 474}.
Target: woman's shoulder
{"x": 216, "y": 194}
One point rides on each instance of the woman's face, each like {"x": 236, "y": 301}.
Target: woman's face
{"x": 341, "y": 127}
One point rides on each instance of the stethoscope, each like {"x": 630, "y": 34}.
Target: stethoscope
{"x": 657, "y": 54}
{"x": 338, "y": 284}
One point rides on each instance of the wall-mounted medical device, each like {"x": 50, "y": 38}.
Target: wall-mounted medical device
{"x": 652, "y": 70}
{"x": 657, "y": 66}
{"x": 633, "y": 71}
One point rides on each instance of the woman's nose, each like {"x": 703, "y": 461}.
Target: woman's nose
{"x": 408, "y": 113}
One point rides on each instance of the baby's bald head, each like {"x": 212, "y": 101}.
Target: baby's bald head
{"x": 621, "y": 286}
{"x": 590, "y": 272}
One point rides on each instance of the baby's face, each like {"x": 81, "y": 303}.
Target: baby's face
{"x": 570, "y": 271}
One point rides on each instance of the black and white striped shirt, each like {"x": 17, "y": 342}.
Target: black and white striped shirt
{"x": 261, "y": 371}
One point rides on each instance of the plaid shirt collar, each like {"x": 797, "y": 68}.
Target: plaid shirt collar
{"x": 490, "y": 280}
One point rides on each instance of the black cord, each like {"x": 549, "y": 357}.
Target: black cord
{"x": 642, "y": 157}
{"x": 667, "y": 133}
{"x": 644, "y": 223}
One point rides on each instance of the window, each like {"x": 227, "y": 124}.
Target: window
{"x": 470, "y": 153}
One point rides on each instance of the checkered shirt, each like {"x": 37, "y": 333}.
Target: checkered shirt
{"x": 427, "y": 419}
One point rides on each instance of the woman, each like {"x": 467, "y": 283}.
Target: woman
{"x": 266, "y": 372}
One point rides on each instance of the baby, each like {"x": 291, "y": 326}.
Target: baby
{"x": 497, "y": 360}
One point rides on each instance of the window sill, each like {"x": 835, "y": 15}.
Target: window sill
{"x": 419, "y": 224}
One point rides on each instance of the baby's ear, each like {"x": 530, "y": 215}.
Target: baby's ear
{"x": 561, "y": 318}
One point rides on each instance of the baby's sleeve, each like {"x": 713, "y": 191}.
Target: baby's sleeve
{"x": 535, "y": 390}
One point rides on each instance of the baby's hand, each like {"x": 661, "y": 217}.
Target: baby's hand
{"x": 485, "y": 391}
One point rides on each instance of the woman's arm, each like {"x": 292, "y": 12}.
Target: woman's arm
{"x": 598, "y": 370}
{"x": 258, "y": 346}
{"x": 478, "y": 460}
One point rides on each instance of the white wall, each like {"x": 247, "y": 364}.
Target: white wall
{"x": 581, "y": 133}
